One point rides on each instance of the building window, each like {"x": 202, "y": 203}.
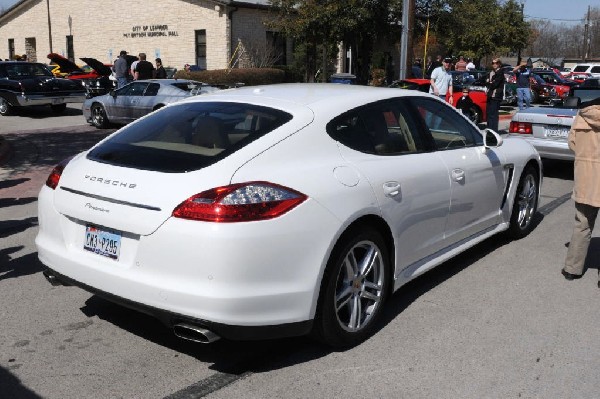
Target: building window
{"x": 70, "y": 50}
{"x": 31, "y": 49}
{"x": 276, "y": 43}
{"x": 11, "y": 49}
{"x": 201, "y": 48}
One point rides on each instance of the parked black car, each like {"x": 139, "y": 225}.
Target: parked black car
{"x": 24, "y": 84}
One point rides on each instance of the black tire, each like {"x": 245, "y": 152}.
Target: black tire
{"x": 99, "y": 118}
{"x": 351, "y": 300}
{"x": 525, "y": 204}
{"x": 5, "y": 108}
{"x": 58, "y": 108}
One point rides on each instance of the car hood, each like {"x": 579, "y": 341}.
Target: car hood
{"x": 66, "y": 65}
{"x": 103, "y": 70}
{"x": 46, "y": 84}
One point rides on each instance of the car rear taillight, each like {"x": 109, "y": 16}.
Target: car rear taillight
{"x": 54, "y": 177}
{"x": 241, "y": 202}
{"x": 520, "y": 128}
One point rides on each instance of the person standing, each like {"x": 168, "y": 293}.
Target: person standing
{"x": 495, "y": 94}
{"x": 523, "y": 91}
{"x": 441, "y": 81}
{"x": 120, "y": 69}
{"x": 461, "y": 65}
{"x": 584, "y": 141}
{"x": 431, "y": 65}
{"x": 144, "y": 69}
{"x": 160, "y": 70}
{"x": 470, "y": 65}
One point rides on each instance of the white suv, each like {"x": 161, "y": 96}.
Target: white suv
{"x": 594, "y": 69}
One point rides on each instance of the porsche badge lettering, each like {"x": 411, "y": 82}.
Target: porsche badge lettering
{"x": 111, "y": 182}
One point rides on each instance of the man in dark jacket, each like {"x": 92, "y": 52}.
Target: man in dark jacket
{"x": 144, "y": 69}
{"x": 121, "y": 70}
{"x": 495, "y": 94}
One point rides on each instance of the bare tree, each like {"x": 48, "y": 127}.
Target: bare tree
{"x": 551, "y": 41}
{"x": 260, "y": 55}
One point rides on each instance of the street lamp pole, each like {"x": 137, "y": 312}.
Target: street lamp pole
{"x": 49, "y": 26}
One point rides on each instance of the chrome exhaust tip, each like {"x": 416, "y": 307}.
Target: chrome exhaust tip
{"x": 194, "y": 333}
{"x": 51, "y": 277}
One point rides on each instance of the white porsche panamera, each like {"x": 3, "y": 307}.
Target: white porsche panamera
{"x": 281, "y": 210}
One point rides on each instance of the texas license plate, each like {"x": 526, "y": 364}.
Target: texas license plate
{"x": 102, "y": 242}
{"x": 556, "y": 133}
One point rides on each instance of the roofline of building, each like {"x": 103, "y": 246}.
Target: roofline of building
{"x": 256, "y": 4}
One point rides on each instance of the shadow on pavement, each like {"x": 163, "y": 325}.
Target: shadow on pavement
{"x": 10, "y": 227}
{"x": 12, "y": 182}
{"x": 558, "y": 169}
{"x": 16, "y": 267}
{"x": 44, "y": 111}
{"x": 11, "y": 386}
{"x": 6, "y": 202}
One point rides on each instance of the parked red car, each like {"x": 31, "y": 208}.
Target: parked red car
{"x": 95, "y": 77}
{"x": 477, "y": 113}
{"x": 95, "y": 70}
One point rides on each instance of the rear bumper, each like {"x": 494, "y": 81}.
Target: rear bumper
{"x": 170, "y": 319}
{"x": 551, "y": 149}
{"x": 25, "y": 100}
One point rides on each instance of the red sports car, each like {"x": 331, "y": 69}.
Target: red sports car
{"x": 94, "y": 70}
{"x": 477, "y": 113}
{"x": 95, "y": 76}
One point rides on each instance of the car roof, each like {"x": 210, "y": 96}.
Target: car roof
{"x": 314, "y": 95}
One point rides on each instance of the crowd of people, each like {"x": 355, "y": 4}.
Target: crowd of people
{"x": 140, "y": 68}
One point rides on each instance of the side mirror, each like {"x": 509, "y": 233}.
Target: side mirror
{"x": 491, "y": 139}
{"x": 113, "y": 93}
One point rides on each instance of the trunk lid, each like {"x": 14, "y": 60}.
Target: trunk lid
{"x": 103, "y": 70}
{"x": 127, "y": 199}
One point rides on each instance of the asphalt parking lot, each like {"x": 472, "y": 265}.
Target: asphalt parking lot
{"x": 498, "y": 321}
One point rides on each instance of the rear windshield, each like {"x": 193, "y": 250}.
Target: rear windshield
{"x": 581, "y": 68}
{"x": 188, "y": 136}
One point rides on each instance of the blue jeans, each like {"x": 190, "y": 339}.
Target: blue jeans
{"x": 121, "y": 82}
{"x": 523, "y": 93}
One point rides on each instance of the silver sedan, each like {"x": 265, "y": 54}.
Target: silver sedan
{"x": 139, "y": 98}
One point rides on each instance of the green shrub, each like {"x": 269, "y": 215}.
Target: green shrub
{"x": 247, "y": 76}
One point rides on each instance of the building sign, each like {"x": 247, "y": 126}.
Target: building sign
{"x": 150, "y": 31}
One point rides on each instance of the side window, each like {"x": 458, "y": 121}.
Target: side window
{"x": 137, "y": 89}
{"x": 152, "y": 89}
{"x": 595, "y": 69}
{"x": 448, "y": 129}
{"x": 381, "y": 129}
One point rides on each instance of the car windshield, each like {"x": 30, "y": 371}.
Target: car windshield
{"x": 538, "y": 80}
{"x": 21, "y": 70}
{"x": 189, "y": 136}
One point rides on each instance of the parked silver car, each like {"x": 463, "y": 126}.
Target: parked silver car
{"x": 139, "y": 98}
{"x": 547, "y": 128}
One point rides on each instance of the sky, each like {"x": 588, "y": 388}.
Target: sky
{"x": 558, "y": 11}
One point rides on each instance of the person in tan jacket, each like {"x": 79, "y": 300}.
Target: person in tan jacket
{"x": 584, "y": 141}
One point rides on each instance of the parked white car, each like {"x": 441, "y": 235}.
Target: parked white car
{"x": 547, "y": 128}
{"x": 593, "y": 69}
{"x": 281, "y": 210}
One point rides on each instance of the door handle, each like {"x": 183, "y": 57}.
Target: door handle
{"x": 391, "y": 188}
{"x": 458, "y": 175}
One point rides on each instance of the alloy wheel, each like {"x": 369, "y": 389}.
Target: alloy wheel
{"x": 359, "y": 286}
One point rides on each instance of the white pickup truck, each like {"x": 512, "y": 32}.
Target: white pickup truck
{"x": 547, "y": 128}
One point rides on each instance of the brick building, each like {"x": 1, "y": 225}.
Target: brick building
{"x": 208, "y": 33}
